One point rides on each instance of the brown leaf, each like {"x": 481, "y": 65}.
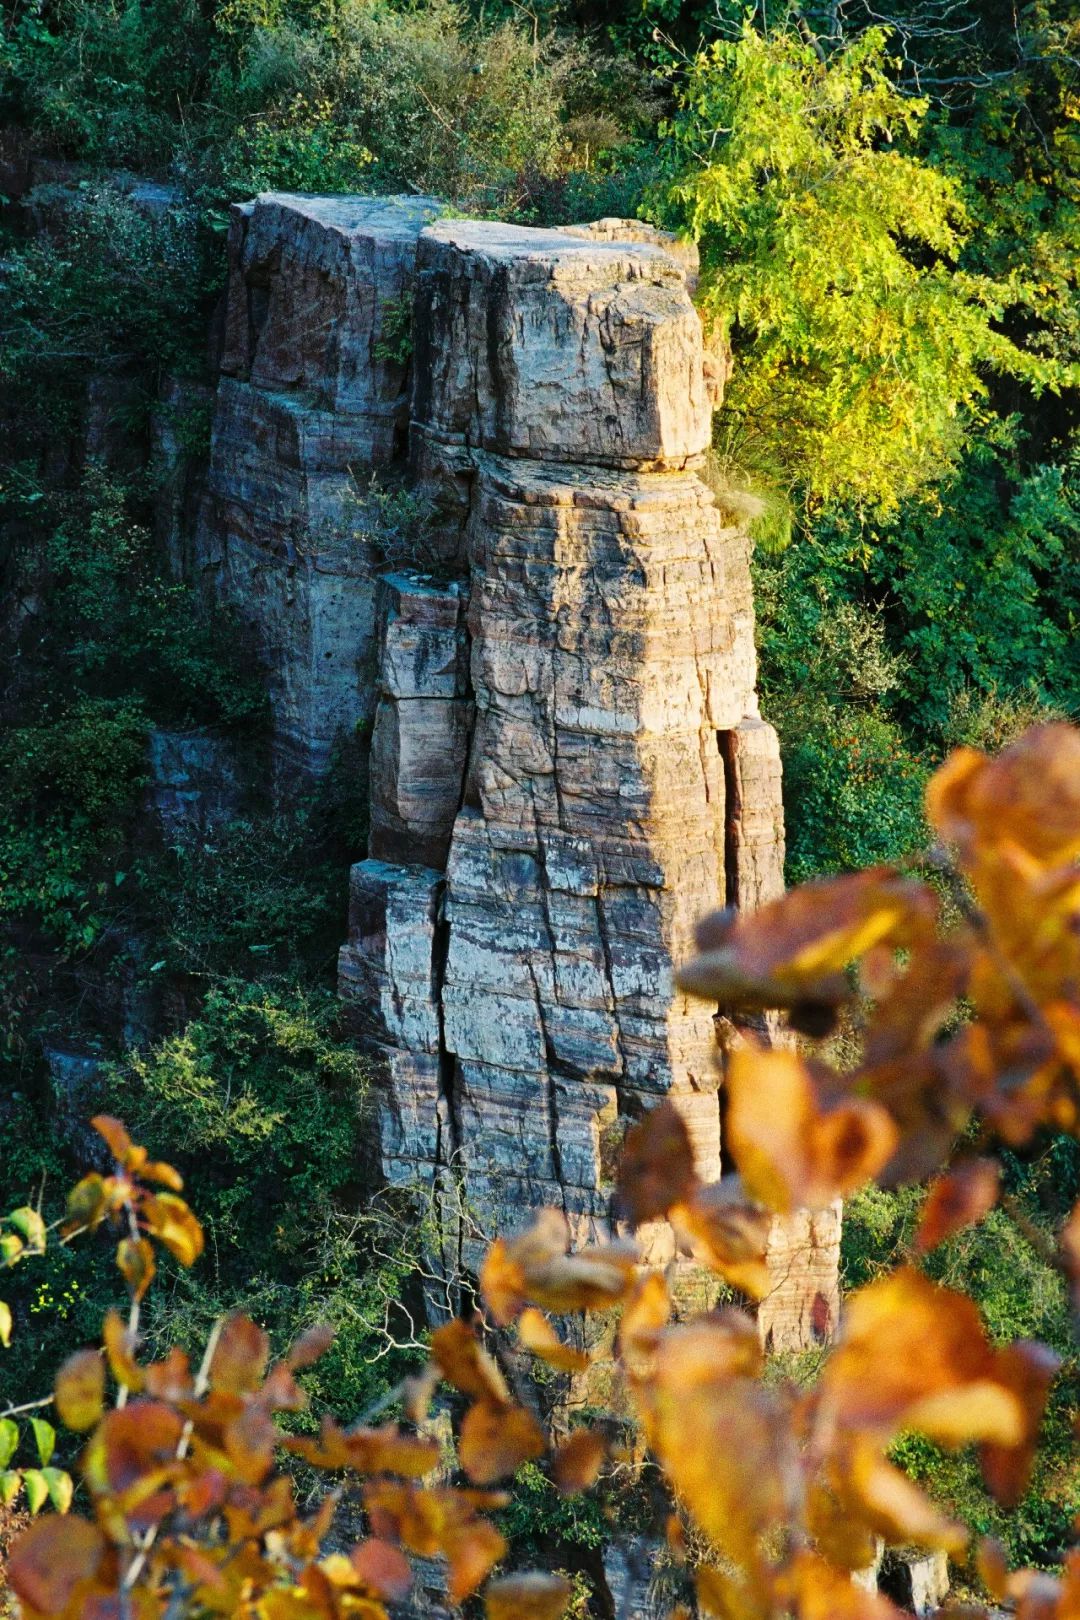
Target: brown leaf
{"x": 792, "y": 1152}
{"x": 131, "y": 1444}
{"x": 723, "y": 1231}
{"x": 496, "y": 1440}
{"x": 80, "y": 1390}
{"x": 135, "y": 1257}
{"x": 240, "y": 1356}
{"x": 472, "y": 1553}
{"x": 536, "y": 1334}
{"x": 578, "y": 1461}
{"x": 383, "y": 1569}
{"x": 536, "y": 1268}
{"x": 793, "y": 950}
{"x": 170, "y": 1380}
{"x": 464, "y": 1362}
{"x": 1028, "y": 794}
{"x": 656, "y": 1167}
{"x": 1028, "y": 1369}
{"x": 313, "y": 1343}
{"x": 959, "y": 1198}
{"x": 533, "y": 1596}
{"x": 50, "y": 1560}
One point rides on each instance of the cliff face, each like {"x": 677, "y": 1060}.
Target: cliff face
{"x": 567, "y": 765}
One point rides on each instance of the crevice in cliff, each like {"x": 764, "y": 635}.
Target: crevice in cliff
{"x": 727, "y": 744}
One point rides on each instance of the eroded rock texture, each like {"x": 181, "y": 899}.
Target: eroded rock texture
{"x": 559, "y": 409}
{"x": 567, "y": 765}
{"x": 313, "y": 396}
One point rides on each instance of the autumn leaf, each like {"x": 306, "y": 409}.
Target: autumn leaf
{"x": 240, "y": 1356}
{"x": 793, "y": 1152}
{"x": 536, "y": 1334}
{"x": 913, "y": 1355}
{"x": 724, "y": 1232}
{"x": 656, "y": 1166}
{"x": 170, "y": 1220}
{"x": 959, "y": 1198}
{"x": 1029, "y": 794}
{"x": 533, "y": 1596}
{"x": 382, "y": 1568}
{"x": 577, "y": 1462}
{"x": 793, "y": 951}
{"x": 496, "y": 1440}
{"x": 115, "y": 1137}
{"x": 119, "y": 1351}
{"x": 535, "y": 1268}
{"x": 80, "y": 1390}
{"x": 1028, "y": 1369}
{"x": 135, "y": 1258}
{"x": 464, "y": 1362}
{"x": 52, "y": 1559}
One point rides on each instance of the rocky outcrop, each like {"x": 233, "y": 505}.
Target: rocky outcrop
{"x": 567, "y": 765}
{"x": 313, "y": 396}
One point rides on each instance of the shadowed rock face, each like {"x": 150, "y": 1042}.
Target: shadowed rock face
{"x": 567, "y": 763}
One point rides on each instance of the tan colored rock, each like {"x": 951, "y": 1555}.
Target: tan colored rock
{"x": 318, "y": 303}
{"x": 802, "y": 1308}
{"x": 423, "y": 720}
{"x": 556, "y": 347}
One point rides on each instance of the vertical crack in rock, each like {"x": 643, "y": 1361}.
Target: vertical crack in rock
{"x": 732, "y": 817}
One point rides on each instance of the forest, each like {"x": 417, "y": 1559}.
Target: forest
{"x": 886, "y": 204}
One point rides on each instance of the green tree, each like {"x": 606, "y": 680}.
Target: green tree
{"x": 832, "y": 261}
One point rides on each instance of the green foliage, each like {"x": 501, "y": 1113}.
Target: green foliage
{"x": 106, "y": 285}
{"x": 262, "y": 1106}
{"x": 830, "y": 256}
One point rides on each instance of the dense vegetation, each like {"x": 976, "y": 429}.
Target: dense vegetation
{"x": 889, "y": 219}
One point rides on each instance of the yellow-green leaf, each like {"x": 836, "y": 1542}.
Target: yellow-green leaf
{"x": 37, "y": 1489}
{"x": 30, "y": 1224}
{"x": 45, "y": 1436}
{"x": 5, "y": 1324}
{"x": 11, "y": 1247}
{"x": 9, "y": 1440}
{"x": 60, "y": 1486}
{"x": 10, "y": 1480}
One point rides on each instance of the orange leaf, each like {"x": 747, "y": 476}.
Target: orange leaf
{"x": 1028, "y": 794}
{"x": 119, "y": 1348}
{"x": 465, "y": 1363}
{"x": 170, "y": 1380}
{"x": 115, "y": 1136}
{"x": 536, "y": 1334}
{"x": 959, "y": 1198}
{"x": 132, "y": 1443}
{"x": 646, "y": 1312}
{"x": 724, "y": 1232}
{"x": 240, "y": 1356}
{"x": 312, "y": 1343}
{"x": 578, "y": 1461}
{"x": 536, "y": 1268}
{"x": 164, "y": 1174}
{"x": 80, "y": 1390}
{"x": 472, "y": 1553}
{"x": 50, "y": 1560}
{"x": 496, "y": 1440}
{"x": 793, "y": 950}
{"x": 914, "y": 1355}
{"x": 135, "y": 1257}
{"x": 532, "y": 1596}
{"x": 791, "y": 1152}
{"x": 170, "y": 1220}
{"x": 1028, "y": 1369}
{"x": 656, "y": 1167}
